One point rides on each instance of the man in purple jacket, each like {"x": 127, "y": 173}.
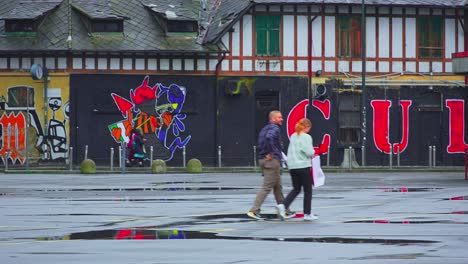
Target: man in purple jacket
{"x": 270, "y": 155}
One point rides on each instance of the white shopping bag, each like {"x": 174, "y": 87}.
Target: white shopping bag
{"x": 316, "y": 172}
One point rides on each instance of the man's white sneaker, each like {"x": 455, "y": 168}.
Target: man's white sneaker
{"x": 281, "y": 211}
{"x": 310, "y": 217}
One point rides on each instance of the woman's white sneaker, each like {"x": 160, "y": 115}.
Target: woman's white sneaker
{"x": 310, "y": 217}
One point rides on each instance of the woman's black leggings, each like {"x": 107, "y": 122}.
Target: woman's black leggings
{"x": 300, "y": 178}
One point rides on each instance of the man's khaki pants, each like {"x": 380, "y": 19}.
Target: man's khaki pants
{"x": 271, "y": 180}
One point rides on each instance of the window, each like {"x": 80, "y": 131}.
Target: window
{"x": 182, "y": 26}
{"x": 349, "y": 36}
{"x": 430, "y": 37}
{"x": 20, "y": 25}
{"x": 107, "y": 26}
{"x": 268, "y": 35}
{"x": 349, "y": 117}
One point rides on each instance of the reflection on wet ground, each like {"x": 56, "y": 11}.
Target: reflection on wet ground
{"x": 156, "y": 200}
{"x": 182, "y": 182}
{"x": 457, "y": 198}
{"x": 405, "y": 189}
{"x": 153, "y": 234}
{"x": 173, "y": 231}
{"x": 405, "y": 222}
{"x": 215, "y": 188}
{"x": 393, "y": 256}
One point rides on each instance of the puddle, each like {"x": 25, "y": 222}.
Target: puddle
{"x": 404, "y": 189}
{"x": 405, "y": 222}
{"x": 182, "y": 182}
{"x": 154, "y": 234}
{"x": 156, "y": 200}
{"x": 393, "y": 256}
{"x": 144, "y": 189}
{"x": 457, "y": 198}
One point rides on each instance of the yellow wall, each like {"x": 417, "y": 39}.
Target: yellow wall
{"x": 13, "y": 139}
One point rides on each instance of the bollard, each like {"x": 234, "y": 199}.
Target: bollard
{"x": 328, "y": 156}
{"x": 430, "y": 156}
{"x": 398, "y": 156}
{"x": 434, "y": 156}
{"x": 111, "y": 159}
{"x": 350, "y": 158}
{"x": 86, "y": 152}
{"x": 120, "y": 157}
{"x": 255, "y": 156}
{"x": 70, "y": 157}
{"x": 390, "y": 157}
{"x": 151, "y": 154}
{"x": 184, "y": 157}
{"x": 363, "y": 155}
{"x": 219, "y": 156}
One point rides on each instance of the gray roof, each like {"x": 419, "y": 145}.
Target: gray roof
{"x": 225, "y": 14}
{"x": 141, "y": 33}
{"x": 177, "y": 9}
{"x": 96, "y": 9}
{"x": 28, "y": 9}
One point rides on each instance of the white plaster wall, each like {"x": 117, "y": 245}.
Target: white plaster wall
{"x": 288, "y": 35}
{"x": 139, "y": 63}
{"x": 236, "y": 40}
{"x": 115, "y": 63}
{"x": 370, "y": 37}
{"x": 384, "y": 37}
{"x": 102, "y": 63}
{"x": 302, "y": 36}
{"x": 247, "y": 35}
{"x": 62, "y": 63}
{"x": 461, "y": 36}
{"x": 77, "y": 63}
{"x": 152, "y": 64}
{"x": 50, "y": 63}
{"x": 397, "y": 37}
{"x": 410, "y": 37}
{"x": 449, "y": 37}
{"x": 329, "y": 38}
{"x": 317, "y": 38}
{"x": 189, "y": 64}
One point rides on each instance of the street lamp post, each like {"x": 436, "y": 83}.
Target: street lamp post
{"x": 363, "y": 82}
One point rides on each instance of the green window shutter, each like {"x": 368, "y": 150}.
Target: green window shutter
{"x": 268, "y": 35}
{"x": 261, "y": 25}
{"x": 274, "y": 36}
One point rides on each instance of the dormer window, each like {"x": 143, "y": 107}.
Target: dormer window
{"x": 173, "y": 19}
{"x": 26, "y": 16}
{"x": 20, "y": 25}
{"x": 98, "y": 17}
{"x": 101, "y": 25}
{"x": 182, "y": 26}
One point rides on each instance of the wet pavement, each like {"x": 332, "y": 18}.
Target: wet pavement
{"x": 392, "y": 217}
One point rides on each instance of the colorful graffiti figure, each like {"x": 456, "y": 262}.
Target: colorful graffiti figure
{"x": 156, "y": 109}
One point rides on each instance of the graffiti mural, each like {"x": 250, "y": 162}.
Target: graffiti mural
{"x": 51, "y": 144}
{"x": 158, "y": 111}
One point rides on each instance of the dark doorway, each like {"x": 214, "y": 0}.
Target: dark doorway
{"x": 265, "y": 102}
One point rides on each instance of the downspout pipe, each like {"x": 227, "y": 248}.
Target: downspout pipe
{"x": 309, "y": 57}
{"x": 216, "y": 106}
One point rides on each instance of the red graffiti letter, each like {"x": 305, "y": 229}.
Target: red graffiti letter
{"x": 456, "y": 126}
{"x": 299, "y": 111}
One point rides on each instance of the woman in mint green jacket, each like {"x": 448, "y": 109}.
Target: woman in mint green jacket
{"x": 300, "y": 152}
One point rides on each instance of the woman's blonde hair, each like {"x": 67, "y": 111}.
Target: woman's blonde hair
{"x": 303, "y": 123}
